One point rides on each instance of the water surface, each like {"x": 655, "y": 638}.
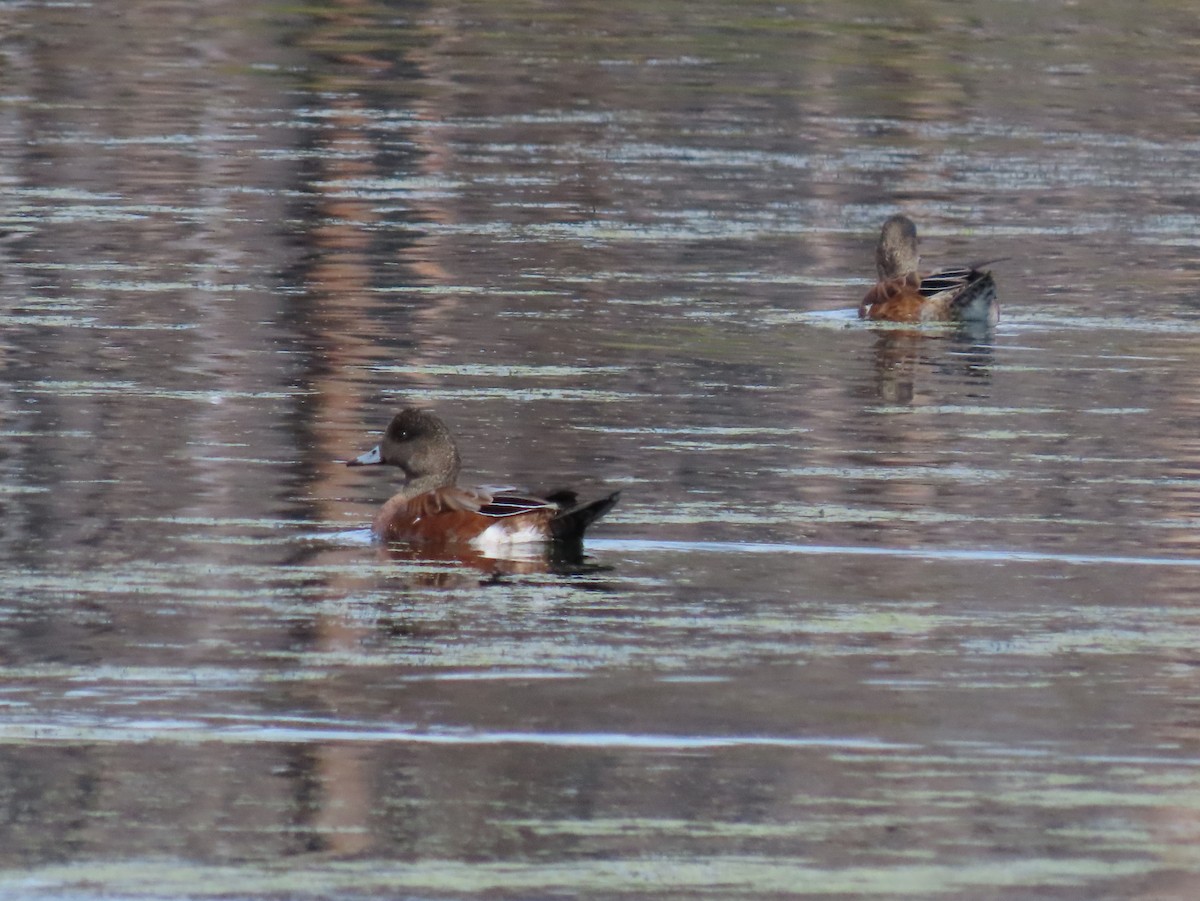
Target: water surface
{"x": 881, "y": 612}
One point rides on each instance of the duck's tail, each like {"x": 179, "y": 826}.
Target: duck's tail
{"x": 570, "y": 524}
{"x": 976, "y": 302}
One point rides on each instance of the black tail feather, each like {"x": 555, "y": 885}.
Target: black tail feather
{"x": 571, "y": 524}
{"x": 977, "y": 301}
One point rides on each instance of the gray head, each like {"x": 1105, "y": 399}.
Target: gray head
{"x": 897, "y": 251}
{"x": 419, "y": 443}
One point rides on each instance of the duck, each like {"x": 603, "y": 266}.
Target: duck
{"x": 431, "y": 509}
{"x": 903, "y": 294}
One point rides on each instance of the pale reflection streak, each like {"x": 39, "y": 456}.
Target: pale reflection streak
{"x": 338, "y": 285}
{"x": 982, "y": 555}
{"x": 343, "y": 734}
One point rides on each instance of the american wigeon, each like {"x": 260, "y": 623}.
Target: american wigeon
{"x": 430, "y": 508}
{"x": 966, "y": 294}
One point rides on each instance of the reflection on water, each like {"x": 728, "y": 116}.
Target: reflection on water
{"x": 882, "y": 611}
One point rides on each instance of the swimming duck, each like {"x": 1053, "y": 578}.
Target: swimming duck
{"x": 431, "y": 508}
{"x": 902, "y": 294}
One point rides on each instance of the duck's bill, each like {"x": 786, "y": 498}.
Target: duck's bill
{"x": 370, "y": 458}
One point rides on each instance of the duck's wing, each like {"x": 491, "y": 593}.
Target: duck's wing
{"x": 955, "y": 278}
{"x": 494, "y": 502}
{"x": 944, "y": 280}
{"x": 967, "y": 294}
{"x": 512, "y": 504}
{"x": 489, "y": 501}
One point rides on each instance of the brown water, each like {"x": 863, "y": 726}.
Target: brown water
{"x": 880, "y": 613}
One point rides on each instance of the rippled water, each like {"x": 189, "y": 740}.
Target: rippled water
{"x": 881, "y": 612}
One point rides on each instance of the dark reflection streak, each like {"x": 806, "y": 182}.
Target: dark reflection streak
{"x": 901, "y": 354}
{"x": 301, "y": 769}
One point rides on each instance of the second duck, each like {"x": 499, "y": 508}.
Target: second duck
{"x": 903, "y": 294}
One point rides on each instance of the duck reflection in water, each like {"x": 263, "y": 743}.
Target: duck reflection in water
{"x": 903, "y": 294}
{"x": 499, "y": 529}
{"x": 901, "y": 356}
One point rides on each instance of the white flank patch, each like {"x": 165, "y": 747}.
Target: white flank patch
{"x": 499, "y": 540}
